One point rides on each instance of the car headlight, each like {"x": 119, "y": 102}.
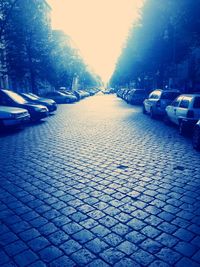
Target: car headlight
{"x": 19, "y": 115}
{"x": 44, "y": 109}
{"x": 40, "y": 109}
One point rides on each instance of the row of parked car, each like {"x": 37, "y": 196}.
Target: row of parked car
{"x": 18, "y": 108}
{"x": 63, "y": 95}
{"x": 182, "y": 110}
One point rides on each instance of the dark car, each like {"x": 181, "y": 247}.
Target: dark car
{"x": 69, "y": 94}
{"x": 79, "y": 95}
{"x": 136, "y": 96}
{"x": 10, "y": 98}
{"x": 196, "y": 136}
{"x": 93, "y": 91}
{"x": 49, "y": 103}
{"x": 120, "y": 92}
{"x": 12, "y": 116}
{"x": 61, "y": 98}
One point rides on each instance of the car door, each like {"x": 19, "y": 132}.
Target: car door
{"x": 151, "y": 100}
{"x": 182, "y": 109}
{"x": 172, "y": 109}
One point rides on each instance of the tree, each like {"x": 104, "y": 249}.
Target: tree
{"x": 165, "y": 35}
{"x": 67, "y": 62}
{"x": 27, "y": 43}
{"x": 6, "y": 7}
{"x": 35, "y": 53}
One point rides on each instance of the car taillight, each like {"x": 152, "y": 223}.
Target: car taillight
{"x": 158, "y": 104}
{"x": 190, "y": 114}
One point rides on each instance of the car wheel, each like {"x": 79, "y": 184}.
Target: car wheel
{"x": 152, "y": 114}
{"x": 182, "y": 128}
{"x": 196, "y": 138}
{"x": 144, "y": 110}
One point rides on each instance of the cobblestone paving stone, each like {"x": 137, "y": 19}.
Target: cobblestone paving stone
{"x": 99, "y": 184}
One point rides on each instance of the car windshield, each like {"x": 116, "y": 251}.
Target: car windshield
{"x": 36, "y": 96}
{"x": 67, "y": 93}
{"x": 169, "y": 95}
{"x": 31, "y": 97}
{"x": 17, "y": 98}
{"x": 61, "y": 94}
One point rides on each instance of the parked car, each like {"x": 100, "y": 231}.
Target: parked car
{"x": 106, "y": 92}
{"x": 68, "y": 92}
{"x": 10, "y": 98}
{"x": 92, "y": 91}
{"x": 136, "y": 96}
{"x": 84, "y": 93}
{"x": 125, "y": 94}
{"x": 109, "y": 91}
{"x": 120, "y": 92}
{"x": 60, "y": 97}
{"x": 184, "y": 111}
{"x": 80, "y": 94}
{"x": 10, "y": 116}
{"x": 196, "y": 136}
{"x": 49, "y": 103}
{"x": 157, "y": 101}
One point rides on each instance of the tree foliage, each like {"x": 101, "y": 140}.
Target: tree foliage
{"x": 165, "y": 35}
{"x": 33, "y": 51}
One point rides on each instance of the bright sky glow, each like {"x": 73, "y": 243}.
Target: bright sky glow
{"x": 98, "y": 28}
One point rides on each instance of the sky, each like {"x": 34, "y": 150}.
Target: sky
{"x": 98, "y": 28}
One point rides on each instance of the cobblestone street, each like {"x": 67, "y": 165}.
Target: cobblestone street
{"x": 99, "y": 184}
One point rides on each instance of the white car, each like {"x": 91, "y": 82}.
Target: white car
{"x": 184, "y": 111}
{"x": 157, "y": 101}
{"x": 11, "y": 116}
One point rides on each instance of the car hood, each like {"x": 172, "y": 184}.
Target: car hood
{"x": 47, "y": 100}
{"x": 13, "y": 110}
{"x": 33, "y": 105}
{"x": 70, "y": 96}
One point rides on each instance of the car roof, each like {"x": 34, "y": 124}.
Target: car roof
{"x": 138, "y": 89}
{"x": 167, "y": 90}
{"x": 191, "y": 95}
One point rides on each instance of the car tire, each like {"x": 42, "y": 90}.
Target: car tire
{"x": 196, "y": 138}
{"x": 152, "y": 114}
{"x": 144, "y": 110}
{"x": 182, "y": 128}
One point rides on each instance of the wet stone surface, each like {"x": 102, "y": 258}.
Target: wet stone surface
{"x": 99, "y": 184}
